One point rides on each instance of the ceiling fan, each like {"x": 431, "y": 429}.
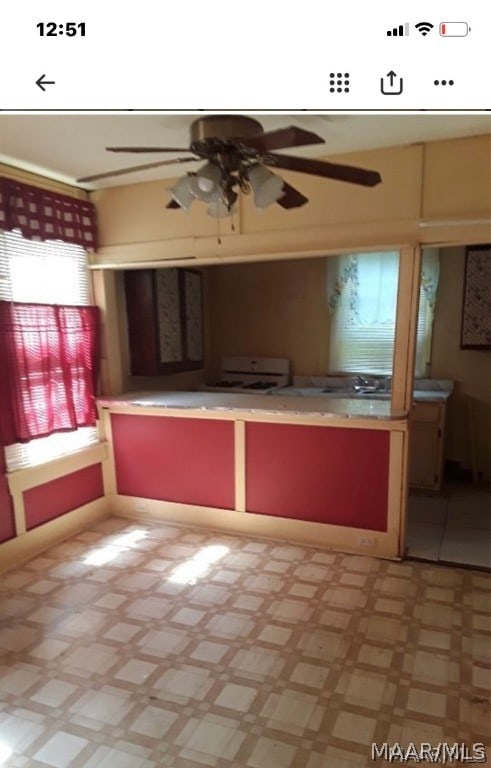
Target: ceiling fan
{"x": 238, "y": 153}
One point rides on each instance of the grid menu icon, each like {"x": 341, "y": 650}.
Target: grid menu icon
{"x": 339, "y": 82}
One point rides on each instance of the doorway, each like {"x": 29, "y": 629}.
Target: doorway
{"x": 452, "y": 524}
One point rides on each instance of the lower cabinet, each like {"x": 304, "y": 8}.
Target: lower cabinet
{"x": 321, "y": 474}
{"x": 186, "y": 460}
{"x": 426, "y": 445}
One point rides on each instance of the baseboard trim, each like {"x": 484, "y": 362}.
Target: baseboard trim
{"x": 329, "y": 537}
{"x": 16, "y": 551}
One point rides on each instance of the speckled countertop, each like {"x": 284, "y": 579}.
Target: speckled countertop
{"x": 323, "y": 405}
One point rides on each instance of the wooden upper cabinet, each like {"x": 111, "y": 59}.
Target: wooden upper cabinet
{"x": 165, "y": 320}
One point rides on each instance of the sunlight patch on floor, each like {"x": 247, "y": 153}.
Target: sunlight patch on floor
{"x": 198, "y": 566}
{"x": 111, "y": 551}
{"x": 5, "y": 752}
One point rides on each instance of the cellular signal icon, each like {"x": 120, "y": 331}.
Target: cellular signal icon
{"x": 400, "y": 31}
{"x": 424, "y": 27}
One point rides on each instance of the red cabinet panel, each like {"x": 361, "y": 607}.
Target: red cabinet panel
{"x": 175, "y": 459}
{"x": 54, "y": 498}
{"x": 323, "y": 474}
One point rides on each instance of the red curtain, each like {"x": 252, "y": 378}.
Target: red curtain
{"x": 49, "y": 359}
{"x": 43, "y": 215}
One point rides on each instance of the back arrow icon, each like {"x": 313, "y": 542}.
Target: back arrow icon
{"x": 41, "y": 82}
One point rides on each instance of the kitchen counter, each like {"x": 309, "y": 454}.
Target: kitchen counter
{"x": 318, "y": 404}
{"x": 433, "y": 396}
{"x": 314, "y": 468}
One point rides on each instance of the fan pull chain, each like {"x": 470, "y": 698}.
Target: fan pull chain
{"x": 218, "y": 231}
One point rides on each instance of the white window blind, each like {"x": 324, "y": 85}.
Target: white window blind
{"x": 50, "y": 272}
{"x": 363, "y": 301}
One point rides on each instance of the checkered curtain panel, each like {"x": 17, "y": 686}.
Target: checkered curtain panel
{"x": 43, "y": 215}
{"x": 50, "y": 357}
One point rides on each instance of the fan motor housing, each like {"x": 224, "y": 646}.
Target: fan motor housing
{"x": 224, "y": 127}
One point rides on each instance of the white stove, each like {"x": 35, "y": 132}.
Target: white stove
{"x": 251, "y": 375}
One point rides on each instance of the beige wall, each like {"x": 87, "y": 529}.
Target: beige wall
{"x": 470, "y": 369}
{"x": 456, "y": 178}
{"x": 137, "y": 212}
{"x": 271, "y": 309}
{"x": 437, "y": 181}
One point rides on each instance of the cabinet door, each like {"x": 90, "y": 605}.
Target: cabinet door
{"x": 142, "y": 322}
{"x": 322, "y": 474}
{"x": 186, "y": 460}
{"x": 165, "y": 320}
{"x": 424, "y": 460}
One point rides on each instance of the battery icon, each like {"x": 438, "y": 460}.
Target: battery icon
{"x": 454, "y": 29}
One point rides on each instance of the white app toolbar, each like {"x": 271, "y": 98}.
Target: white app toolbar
{"x": 260, "y": 56}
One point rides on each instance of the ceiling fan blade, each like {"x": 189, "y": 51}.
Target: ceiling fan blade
{"x": 283, "y": 137}
{"x": 347, "y": 173}
{"x": 147, "y": 149}
{"x": 134, "y": 168}
{"x": 292, "y": 198}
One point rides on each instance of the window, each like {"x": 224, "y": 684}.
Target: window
{"x": 362, "y": 303}
{"x": 50, "y": 272}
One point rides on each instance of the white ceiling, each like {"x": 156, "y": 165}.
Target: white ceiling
{"x": 69, "y": 146}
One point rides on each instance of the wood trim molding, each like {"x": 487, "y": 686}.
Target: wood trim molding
{"x": 109, "y": 466}
{"x": 240, "y": 465}
{"x": 30, "y": 544}
{"x": 359, "y": 422}
{"x": 260, "y": 246}
{"x": 405, "y": 330}
{"x": 30, "y": 477}
{"x": 398, "y": 490}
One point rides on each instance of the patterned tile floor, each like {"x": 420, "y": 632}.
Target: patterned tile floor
{"x": 134, "y": 646}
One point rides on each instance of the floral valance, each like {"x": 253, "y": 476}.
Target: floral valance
{"x": 43, "y": 215}
{"x": 376, "y": 271}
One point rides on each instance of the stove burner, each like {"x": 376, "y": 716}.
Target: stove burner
{"x": 258, "y": 385}
{"x": 227, "y": 384}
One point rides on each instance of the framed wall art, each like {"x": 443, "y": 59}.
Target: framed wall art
{"x": 476, "y": 306}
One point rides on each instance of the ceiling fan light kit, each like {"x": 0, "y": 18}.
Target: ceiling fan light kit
{"x": 182, "y": 193}
{"x": 220, "y": 210}
{"x": 238, "y": 154}
{"x": 266, "y": 186}
{"x": 206, "y": 182}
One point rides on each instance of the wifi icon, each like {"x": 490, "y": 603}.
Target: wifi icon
{"x": 424, "y": 27}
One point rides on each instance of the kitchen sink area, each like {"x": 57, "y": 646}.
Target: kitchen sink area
{"x": 373, "y": 387}
{"x": 335, "y": 393}
{"x": 358, "y": 387}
